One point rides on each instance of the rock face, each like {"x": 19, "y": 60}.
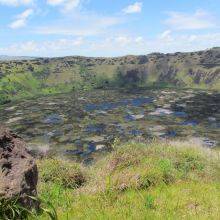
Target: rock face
{"x": 18, "y": 170}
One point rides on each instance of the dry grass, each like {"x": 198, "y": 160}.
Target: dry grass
{"x": 136, "y": 165}
{"x": 169, "y": 180}
{"x": 66, "y": 174}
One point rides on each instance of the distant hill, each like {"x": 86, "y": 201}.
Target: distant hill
{"x": 9, "y": 58}
{"x": 192, "y": 69}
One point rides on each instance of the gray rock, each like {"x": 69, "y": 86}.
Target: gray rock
{"x": 12, "y": 120}
{"x": 18, "y": 170}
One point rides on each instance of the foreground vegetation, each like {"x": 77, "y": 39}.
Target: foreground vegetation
{"x": 137, "y": 181}
{"x": 172, "y": 180}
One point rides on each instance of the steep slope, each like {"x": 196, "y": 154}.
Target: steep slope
{"x": 196, "y": 70}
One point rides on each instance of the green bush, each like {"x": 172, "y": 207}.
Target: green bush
{"x": 137, "y": 166}
{"x": 131, "y": 76}
{"x": 66, "y": 174}
{"x": 4, "y": 98}
{"x": 150, "y": 200}
{"x": 11, "y": 210}
{"x": 137, "y": 181}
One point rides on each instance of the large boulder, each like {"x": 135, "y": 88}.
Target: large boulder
{"x": 18, "y": 170}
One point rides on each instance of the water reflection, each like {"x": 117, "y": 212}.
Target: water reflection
{"x": 74, "y": 126}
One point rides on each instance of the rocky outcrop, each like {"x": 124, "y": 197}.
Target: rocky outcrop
{"x": 18, "y": 170}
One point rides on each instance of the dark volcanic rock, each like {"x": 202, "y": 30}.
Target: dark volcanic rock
{"x": 18, "y": 170}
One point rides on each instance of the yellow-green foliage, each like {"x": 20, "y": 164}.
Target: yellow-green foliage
{"x": 183, "y": 76}
{"x": 216, "y": 85}
{"x": 66, "y": 174}
{"x": 138, "y": 181}
{"x": 15, "y": 83}
{"x": 11, "y": 210}
{"x": 18, "y": 85}
{"x": 140, "y": 166}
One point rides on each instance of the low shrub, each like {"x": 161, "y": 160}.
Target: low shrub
{"x": 4, "y": 98}
{"x": 10, "y": 209}
{"x": 138, "y": 166}
{"x": 135, "y": 181}
{"x": 66, "y": 174}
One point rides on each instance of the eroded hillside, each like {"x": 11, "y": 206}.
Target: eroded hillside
{"x": 196, "y": 70}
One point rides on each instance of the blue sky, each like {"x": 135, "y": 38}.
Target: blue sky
{"x": 107, "y": 27}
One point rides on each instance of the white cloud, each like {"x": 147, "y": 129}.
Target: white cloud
{"x": 113, "y": 45}
{"x": 192, "y": 38}
{"x": 66, "y": 5}
{"x": 55, "y": 2}
{"x": 18, "y": 24}
{"x": 42, "y": 48}
{"x": 179, "y": 42}
{"x": 67, "y": 31}
{"x": 134, "y": 8}
{"x": 21, "y": 19}
{"x": 139, "y": 40}
{"x": 62, "y": 44}
{"x": 166, "y": 36}
{"x": 16, "y": 2}
{"x": 20, "y": 48}
{"x": 118, "y": 45}
{"x": 81, "y": 25}
{"x": 184, "y": 42}
{"x": 183, "y": 21}
{"x": 122, "y": 40}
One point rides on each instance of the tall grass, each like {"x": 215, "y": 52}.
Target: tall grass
{"x": 140, "y": 181}
{"x": 171, "y": 180}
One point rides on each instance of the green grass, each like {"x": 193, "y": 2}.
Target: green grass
{"x": 68, "y": 175}
{"x": 10, "y": 209}
{"x": 136, "y": 181}
{"x": 22, "y": 85}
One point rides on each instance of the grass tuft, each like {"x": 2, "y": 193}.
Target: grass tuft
{"x": 66, "y": 174}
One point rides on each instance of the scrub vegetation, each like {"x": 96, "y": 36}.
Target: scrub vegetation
{"x": 44, "y": 76}
{"x": 169, "y": 180}
{"x": 141, "y": 179}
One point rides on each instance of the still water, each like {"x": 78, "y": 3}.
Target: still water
{"x": 81, "y": 125}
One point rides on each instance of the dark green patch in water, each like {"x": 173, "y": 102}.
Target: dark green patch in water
{"x": 84, "y": 125}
